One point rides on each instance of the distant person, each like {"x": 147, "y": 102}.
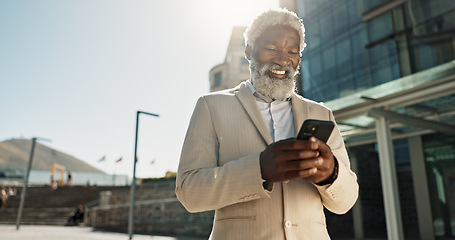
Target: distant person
{"x": 70, "y": 179}
{"x": 11, "y": 191}
{"x": 54, "y": 185}
{"x": 77, "y": 217}
{"x": 3, "y": 197}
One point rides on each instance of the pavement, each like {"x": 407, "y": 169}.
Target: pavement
{"x": 34, "y": 232}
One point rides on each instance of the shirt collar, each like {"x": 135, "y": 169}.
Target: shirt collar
{"x": 261, "y": 97}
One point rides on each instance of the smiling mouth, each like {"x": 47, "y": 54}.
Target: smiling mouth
{"x": 280, "y": 74}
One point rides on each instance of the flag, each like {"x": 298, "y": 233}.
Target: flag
{"x": 102, "y": 159}
{"x": 119, "y": 160}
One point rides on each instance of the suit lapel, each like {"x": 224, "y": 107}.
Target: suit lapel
{"x": 249, "y": 103}
{"x": 299, "y": 111}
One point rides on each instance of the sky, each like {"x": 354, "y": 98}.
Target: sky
{"x": 76, "y": 72}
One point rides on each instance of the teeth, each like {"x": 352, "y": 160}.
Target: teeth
{"x": 278, "y": 72}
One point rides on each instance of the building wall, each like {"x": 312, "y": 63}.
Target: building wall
{"x": 439, "y": 153}
{"x": 235, "y": 67}
{"x": 354, "y": 45}
{"x": 157, "y": 211}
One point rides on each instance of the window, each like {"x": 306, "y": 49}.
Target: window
{"x": 218, "y": 79}
{"x": 380, "y": 28}
{"x": 430, "y": 37}
{"x": 439, "y": 150}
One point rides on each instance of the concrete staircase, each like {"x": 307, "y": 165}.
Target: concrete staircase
{"x": 44, "y": 206}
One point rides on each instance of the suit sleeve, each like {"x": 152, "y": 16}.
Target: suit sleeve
{"x": 201, "y": 184}
{"x": 342, "y": 194}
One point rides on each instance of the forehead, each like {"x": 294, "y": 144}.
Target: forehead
{"x": 279, "y": 34}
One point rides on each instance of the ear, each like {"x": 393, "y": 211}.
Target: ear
{"x": 248, "y": 51}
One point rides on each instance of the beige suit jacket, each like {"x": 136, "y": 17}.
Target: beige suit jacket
{"x": 219, "y": 170}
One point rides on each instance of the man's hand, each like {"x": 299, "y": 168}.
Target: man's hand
{"x": 291, "y": 158}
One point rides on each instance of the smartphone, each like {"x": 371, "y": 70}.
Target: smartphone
{"x": 317, "y": 128}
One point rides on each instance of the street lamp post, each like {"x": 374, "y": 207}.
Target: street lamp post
{"x": 133, "y": 183}
{"x": 24, "y": 188}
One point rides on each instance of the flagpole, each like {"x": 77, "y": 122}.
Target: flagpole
{"x": 105, "y": 162}
{"x": 115, "y": 170}
{"x": 113, "y": 176}
{"x": 101, "y": 161}
{"x": 133, "y": 183}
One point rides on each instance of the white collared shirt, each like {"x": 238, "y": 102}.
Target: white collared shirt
{"x": 277, "y": 116}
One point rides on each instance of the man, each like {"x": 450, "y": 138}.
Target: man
{"x": 240, "y": 156}
{"x": 77, "y": 217}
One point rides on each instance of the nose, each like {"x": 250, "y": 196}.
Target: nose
{"x": 282, "y": 59}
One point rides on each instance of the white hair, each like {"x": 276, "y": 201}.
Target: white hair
{"x": 272, "y": 17}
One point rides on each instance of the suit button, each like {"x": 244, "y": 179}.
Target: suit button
{"x": 287, "y": 224}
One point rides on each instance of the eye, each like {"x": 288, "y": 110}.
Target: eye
{"x": 269, "y": 49}
{"x": 293, "y": 53}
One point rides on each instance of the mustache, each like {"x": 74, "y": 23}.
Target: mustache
{"x": 274, "y": 66}
{"x": 263, "y": 68}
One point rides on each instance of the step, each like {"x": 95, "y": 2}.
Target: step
{"x": 53, "y": 223}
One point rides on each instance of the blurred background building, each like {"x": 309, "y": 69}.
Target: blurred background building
{"x": 235, "y": 67}
{"x": 386, "y": 68}
{"x": 50, "y": 165}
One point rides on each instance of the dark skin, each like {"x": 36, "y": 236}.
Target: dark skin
{"x": 291, "y": 158}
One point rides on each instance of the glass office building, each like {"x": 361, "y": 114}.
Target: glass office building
{"x": 386, "y": 68}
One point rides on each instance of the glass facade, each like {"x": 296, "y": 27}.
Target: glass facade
{"x": 439, "y": 151}
{"x": 370, "y": 189}
{"x": 346, "y": 53}
{"x": 371, "y": 197}
{"x": 359, "y": 51}
{"x": 429, "y": 28}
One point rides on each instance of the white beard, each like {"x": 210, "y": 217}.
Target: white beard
{"x": 274, "y": 88}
